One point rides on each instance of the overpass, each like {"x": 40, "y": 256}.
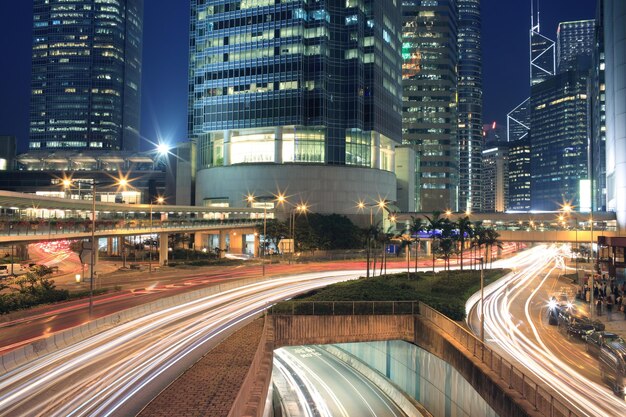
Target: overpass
{"x": 26, "y": 218}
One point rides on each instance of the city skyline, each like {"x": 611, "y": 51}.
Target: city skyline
{"x": 164, "y": 78}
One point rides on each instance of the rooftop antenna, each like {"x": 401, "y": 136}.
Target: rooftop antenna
{"x": 534, "y": 15}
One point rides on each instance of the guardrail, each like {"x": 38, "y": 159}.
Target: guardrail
{"x": 344, "y": 308}
{"x": 544, "y": 402}
{"x": 35, "y": 228}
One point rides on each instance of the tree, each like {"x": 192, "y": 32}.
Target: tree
{"x": 417, "y": 225}
{"x": 405, "y": 240}
{"x": 434, "y": 227}
{"x": 275, "y": 230}
{"x": 491, "y": 240}
{"x": 384, "y": 238}
{"x": 478, "y": 238}
{"x": 447, "y": 246}
{"x": 464, "y": 227}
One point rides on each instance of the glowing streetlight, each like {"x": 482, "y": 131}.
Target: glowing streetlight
{"x": 162, "y": 149}
{"x": 448, "y": 213}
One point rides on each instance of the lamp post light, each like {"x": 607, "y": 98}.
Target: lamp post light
{"x": 159, "y": 200}
{"x": 381, "y": 204}
{"x": 250, "y": 198}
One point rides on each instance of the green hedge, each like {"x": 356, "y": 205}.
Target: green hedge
{"x": 444, "y": 291}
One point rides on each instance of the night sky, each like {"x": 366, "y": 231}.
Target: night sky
{"x": 164, "y": 85}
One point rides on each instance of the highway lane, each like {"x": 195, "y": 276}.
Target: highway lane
{"x": 328, "y": 387}
{"x": 118, "y": 371}
{"x": 516, "y": 326}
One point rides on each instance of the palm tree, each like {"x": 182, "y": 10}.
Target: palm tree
{"x": 405, "y": 240}
{"x": 384, "y": 238}
{"x": 414, "y": 229}
{"x": 371, "y": 233}
{"x": 491, "y": 240}
{"x": 464, "y": 227}
{"x": 447, "y": 241}
{"x": 433, "y": 226}
{"x": 478, "y": 238}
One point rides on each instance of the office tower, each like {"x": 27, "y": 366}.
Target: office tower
{"x": 519, "y": 175}
{"x": 495, "y": 179}
{"x": 86, "y": 75}
{"x": 575, "y": 44}
{"x": 518, "y": 138}
{"x": 470, "y": 105}
{"x": 615, "y": 75}
{"x": 597, "y": 127}
{"x": 559, "y": 121}
{"x": 542, "y": 50}
{"x": 295, "y": 97}
{"x": 429, "y": 73}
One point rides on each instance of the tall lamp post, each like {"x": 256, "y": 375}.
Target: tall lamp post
{"x": 361, "y": 205}
{"x": 159, "y": 200}
{"x": 120, "y": 183}
{"x": 250, "y": 198}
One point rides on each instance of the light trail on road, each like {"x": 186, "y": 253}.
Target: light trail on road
{"x": 327, "y": 387}
{"x": 511, "y": 324}
{"x": 120, "y": 370}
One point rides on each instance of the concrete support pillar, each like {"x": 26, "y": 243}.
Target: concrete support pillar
{"x": 429, "y": 247}
{"x": 120, "y": 245}
{"x": 278, "y": 145}
{"x": 163, "y": 250}
{"x": 227, "y": 135}
{"x": 222, "y": 244}
{"x": 199, "y": 241}
{"x": 257, "y": 245}
{"x": 236, "y": 242}
{"x": 109, "y": 246}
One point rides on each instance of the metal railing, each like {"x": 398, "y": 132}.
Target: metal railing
{"x": 542, "y": 400}
{"x": 344, "y": 308}
{"x": 45, "y": 228}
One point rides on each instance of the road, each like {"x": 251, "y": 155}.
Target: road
{"x": 118, "y": 371}
{"x": 327, "y": 387}
{"x": 516, "y": 327}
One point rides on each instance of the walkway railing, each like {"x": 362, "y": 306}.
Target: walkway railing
{"x": 544, "y": 402}
{"x": 344, "y": 308}
{"x": 59, "y": 227}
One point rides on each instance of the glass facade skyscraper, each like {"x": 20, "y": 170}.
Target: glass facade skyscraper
{"x": 86, "y": 74}
{"x": 597, "y": 127}
{"x": 292, "y": 83}
{"x": 542, "y": 52}
{"x": 470, "y": 106}
{"x": 575, "y": 44}
{"x": 559, "y": 115}
{"x": 429, "y": 72}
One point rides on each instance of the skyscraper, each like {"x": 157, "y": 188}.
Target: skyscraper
{"x": 86, "y": 75}
{"x": 518, "y": 137}
{"x": 295, "y": 97}
{"x": 495, "y": 179}
{"x": 559, "y": 116}
{"x": 470, "y": 106}
{"x": 575, "y": 44}
{"x": 597, "y": 127}
{"x": 542, "y": 50}
{"x": 429, "y": 72}
{"x": 614, "y": 39}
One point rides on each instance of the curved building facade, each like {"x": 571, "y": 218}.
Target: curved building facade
{"x": 284, "y": 88}
{"x": 86, "y": 75}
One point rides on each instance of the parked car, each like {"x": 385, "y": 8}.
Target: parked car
{"x": 612, "y": 360}
{"x": 572, "y": 323}
{"x": 555, "y": 305}
{"x": 597, "y": 340}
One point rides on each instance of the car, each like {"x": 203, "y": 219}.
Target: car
{"x": 597, "y": 340}
{"x": 572, "y": 323}
{"x": 555, "y": 307}
{"x": 612, "y": 360}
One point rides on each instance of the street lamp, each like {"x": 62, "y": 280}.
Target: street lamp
{"x": 298, "y": 209}
{"x": 120, "y": 183}
{"x": 482, "y": 299}
{"x": 250, "y": 198}
{"x": 381, "y": 204}
{"x": 159, "y": 200}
